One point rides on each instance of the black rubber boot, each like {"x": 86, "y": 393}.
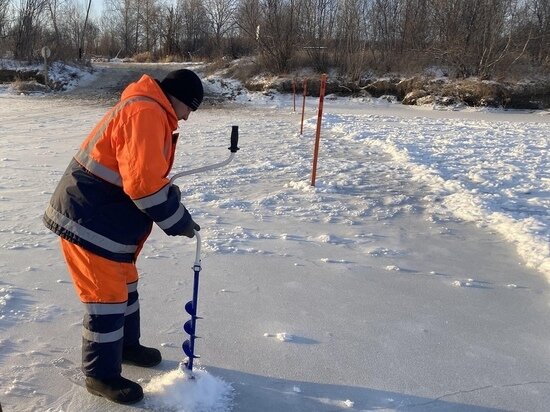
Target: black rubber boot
{"x": 119, "y": 389}
{"x": 141, "y": 356}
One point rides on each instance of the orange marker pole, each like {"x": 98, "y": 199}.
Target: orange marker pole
{"x": 318, "y": 131}
{"x": 294, "y": 93}
{"x": 303, "y": 107}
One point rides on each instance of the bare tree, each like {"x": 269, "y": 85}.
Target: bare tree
{"x": 494, "y": 42}
{"x": 169, "y": 30}
{"x": 123, "y": 21}
{"x": 221, "y": 19}
{"x": 277, "y": 34}
{"x": 385, "y": 21}
{"x": 109, "y": 43}
{"x": 350, "y": 37}
{"x": 28, "y": 28}
{"x": 4, "y": 8}
{"x": 53, "y": 8}
{"x": 194, "y": 21}
{"x": 473, "y": 36}
{"x": 249, "y": 19}
{"x": 317, "y": 24}
{"x": 414, "y": 26}
{"x": 541, "y": 20}
{"x": 150, "y": 15}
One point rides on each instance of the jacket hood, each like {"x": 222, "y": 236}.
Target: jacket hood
{"x": 149, "y": 87}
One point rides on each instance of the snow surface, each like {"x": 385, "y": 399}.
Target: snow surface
{"x": 414, "y": 276}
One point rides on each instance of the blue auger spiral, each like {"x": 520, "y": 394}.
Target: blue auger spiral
{"x": 190, "y": 326}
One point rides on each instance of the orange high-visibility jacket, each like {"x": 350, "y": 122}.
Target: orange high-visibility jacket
{"x": 116, "y": 186}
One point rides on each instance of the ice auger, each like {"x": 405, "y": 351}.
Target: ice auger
{"x": 191, "y": 307}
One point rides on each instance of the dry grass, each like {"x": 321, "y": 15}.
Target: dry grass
{"x": 27, "y": 87}
{"x": 241, "y": 69}
{"x": 145, "y": 57}
{"x": 170, "y": 59}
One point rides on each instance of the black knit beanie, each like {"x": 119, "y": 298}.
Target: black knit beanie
{"x": 185, "y": 86}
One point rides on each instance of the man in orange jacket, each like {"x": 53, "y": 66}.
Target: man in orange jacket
{"x": 103, "y": 209}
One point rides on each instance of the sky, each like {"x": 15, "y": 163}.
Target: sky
{"x": 412, "y": 277}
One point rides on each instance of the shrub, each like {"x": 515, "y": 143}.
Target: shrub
{"x": 145, "y": 57}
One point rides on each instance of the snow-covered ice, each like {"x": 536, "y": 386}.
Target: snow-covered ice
{"x": 493, "y": 173}
{"x": 413, "y": 277}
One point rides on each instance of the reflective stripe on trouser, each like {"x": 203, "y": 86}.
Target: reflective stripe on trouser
{"x": 108, "y": 290}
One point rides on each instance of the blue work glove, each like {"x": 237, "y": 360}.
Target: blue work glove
{"x": 189, "y": 230}
{"x": 177, "y": 191}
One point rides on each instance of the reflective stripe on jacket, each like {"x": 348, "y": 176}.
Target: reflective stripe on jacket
{"x": 116, "y": 186}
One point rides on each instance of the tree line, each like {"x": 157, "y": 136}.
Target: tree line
{"x": 485, "y": 38}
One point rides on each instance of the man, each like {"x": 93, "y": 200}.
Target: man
{"x": 103, "y": 209}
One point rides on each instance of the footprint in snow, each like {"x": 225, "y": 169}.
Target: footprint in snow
{"x": 470, "y": 283}
{"x": 282, "y": 336}
{"x": 287, "y": 337}
{"x": 327, "y": 260}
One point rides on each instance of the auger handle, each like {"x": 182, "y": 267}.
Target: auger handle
{"x": 198, "y": 251}
{"x": 233, "y": 148}
{"x": 234, "y": 139}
